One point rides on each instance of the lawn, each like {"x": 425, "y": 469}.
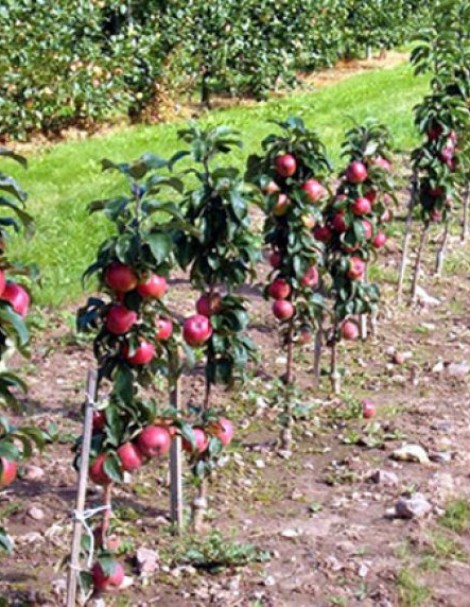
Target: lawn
{"x": 63, "y": 179}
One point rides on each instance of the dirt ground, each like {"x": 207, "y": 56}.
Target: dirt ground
{"x": 328, "y": 528}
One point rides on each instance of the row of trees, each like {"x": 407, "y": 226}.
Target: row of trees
{"x": 79, "y": 61}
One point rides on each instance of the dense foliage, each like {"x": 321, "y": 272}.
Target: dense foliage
{"x": 79, "y": 61}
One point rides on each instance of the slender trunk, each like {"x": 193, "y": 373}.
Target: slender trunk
{"x": 374, "y": 322}
{"x": 176, "y": 463}
{"x": 466, "y": 200}
{"x": 368, "y": 52}
{"x": 406, "y": 237}
{"x": 334, "y": 375}
{"x": 317, "y": 353}
{"x": 441, "y": 253}
{"x": 286, "y": 432}
{"x": 414, "y": 284}
{"x": 363, "y": 317}
{"x": 205, "y": 89}
{"x": 106, "y": 515}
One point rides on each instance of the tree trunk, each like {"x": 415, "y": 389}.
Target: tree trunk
{"x": 406, "y": 237}
{"x": 441, "y": 253}
{"x": 205, "y": 89}
{"x": 419, "y": 257}
{"x": 317, "y": 354}
{"x": 335, "y": 377}
{"x": 466, "y": 200}
{"x": 176, "y": 463}
{"x": 364, "y": 317}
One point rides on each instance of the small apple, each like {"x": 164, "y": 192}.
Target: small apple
{"x": 275, "y": 259}
{"x": 196, "y": 330}
{"x": 309, "y": 221}
{"x": 154, "y": 287}
{"x": 143, "y": 354}
{"x": 225, "y": 431}
{"x": 383, "y": 163}
{"x": 349, "y": 330}
{"x": 310, "y": 278}
{"x": 322, "y": 233}
{"x": 361, "y": 206}
{"x": 279, "y": 289}
{"x": 271, "y": 188}
{"x": 8, "y": 470}
{"x": 209, "y": 304}
{"x": 164, "y": 329}
{"x": 285, "y": 165}
{"x": 99, "y": 420}
{"x": 105, "y": 583}
{"x": 96, "y": 471}
{"x": 17, "y": 297}
{"x": 120, "y": 277}
{"x": 3, "y": 280}
{"x": 130, "y": 457}
{"x": 356, "y": 268}
{"x": 371, "y": 196}
{"x": 314, "y": 190}
{"x": 154, "y": 441}
{"x": 283, "y": 309}
{"x": 120, "y": 320}
{"x": 281, "y": 206}
{"x": 200, "y": 438}
{"x": 367, "y": 229}
{"x": 379, "y": 240}
{"x": 368, "y": 409}
{"x": 305, "y": 336}
{"x": 339, "y": 223}
{"x": 356, "y": 172}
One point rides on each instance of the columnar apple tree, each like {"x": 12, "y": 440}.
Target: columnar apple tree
{"x": 220, "y": 258}
{"x": 135, "y": 337}
{"x": 291, "y": 174}
{"x": 16, "y": 443}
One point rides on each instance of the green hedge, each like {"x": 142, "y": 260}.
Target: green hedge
{"x": 80, "y": 61}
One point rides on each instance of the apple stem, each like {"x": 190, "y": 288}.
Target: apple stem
{"x": 417, "y": 269}
{"x": 407, "y": 235}
{"x": 441, "y": 253}
{"x": 466, "y": 200}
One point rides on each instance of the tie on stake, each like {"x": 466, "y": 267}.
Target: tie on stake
{"x": 80, "y": 514}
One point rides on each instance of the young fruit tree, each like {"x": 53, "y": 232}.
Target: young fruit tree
{"x": 220, "y": 258}
{"x": 16, "y": 443}
{"x": 291, "y": 174}
{"x": 134, "y": 340}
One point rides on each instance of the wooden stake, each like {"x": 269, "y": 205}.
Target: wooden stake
{"x": 466, "y": 200}
{"x": 407, "y": 235}
{"x": 441, "y": 253}
{"x": 414, "y": 284}
{"x": 334, "y": 375}
{"x": 176, "y": 463}
{"x": 91, "y": 388}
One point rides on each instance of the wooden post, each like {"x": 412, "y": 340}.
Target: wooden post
{"x": 91, "y": 389}
{"x": 466, "y": 200}
{"x": 176, "y": 465}
{"x": 406, "y": 237}
{"x": 414, "y": 284}
{"x": 441, "y": 253}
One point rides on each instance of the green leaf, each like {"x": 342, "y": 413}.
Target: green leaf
{"x": 160, "y": 245}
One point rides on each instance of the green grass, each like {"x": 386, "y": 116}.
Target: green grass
{"x": 412, "y": 593}
{"x": 61, "y": 180}
{"x": 456, "y": 516}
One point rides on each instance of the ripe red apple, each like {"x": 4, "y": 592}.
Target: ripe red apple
{"x": 271, "y": 188}
{"x": 371, "y": 196}
{"x": 283, "y": 309}
{"x": 310, "y": 278}
{"x": 120, "y": 320}
{"x": 379, "y": 240}
{"x": 105, "y": 583}
{"x": 356, "y": 268}
{"x": 447, "y": 154}
{"x": 196, "y": 330}
{"x": 361, "y": 206}
{"x": 130, "y": 456}
{"x": 225, "y": 431}
{"x": 201, "y": 439}
{"x": 96, "y": 471}
{"x": 99, "y": 420}
{"x": 436, "y": 192}
{"x": 153, "y": 287}
{"x": 208, "y": 304}
{"x": 349, "y": 330}
{"x": 285, "y": 165}
{"x": 17, "y": 297}
{"x": 154, "y": 441}
{"x": 143, "y": 354}
{"x": 120, "y": 277}
{"x": 322, "y": 233}
{"x": 3, "y": 280}
{"x": 314, "y": 190}
{"x": 435, "y": 132}
{"x": 164, "y": 329}
{"x": 279, "y": 289}
{"x": 8, "y": 471}
{"x": 281, "y": 206}
{"x": 356, "y": 172}
{"x": 338, "y": 222}
{"x": 383, "y": 163}
{"x": 305, "y": 336}
{"x": 275, "y": 259}
{"x": 368, "y": 409}
{"x": 367, "y": 229}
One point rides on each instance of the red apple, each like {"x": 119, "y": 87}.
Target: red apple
{"x": 435, "y": 132}
{"x": 368, "y": 409}
{"x": 383, "y": 163}
{"x": 164, "y": 329}
{"x": 143, "y": 354}
{"x": 379, "y": 240}
{"x": 96, "y": 471}
{"x": 225, "y": 431}
{"x": 8, "y": 471}
{"x": 310, "y": 278}
{"x": 338, "y": 222}
{"x": 279, "y": 289}
{"x": 208, "y": 304}
{"x": 153, "y": 288}
{"x": 120, "y": 320}
{"x": 322, "y": 233}
{"x": 120, "y": 277}
{"x": 285, "y": 165}
{"x": 130, "y": 456}
{"x": 17, "y": 297}
{"x": 367, "y": 229}
{"x": 154, "y": 441}
{"x": 271, "y": 188}
{"x": 436, "y": 215}
{"x": 314, "y": 190}
{"x": 361, "y": 206}
{"x": 196, "y": 330}
{"x": 356, "y": 172}
{"x": 200, "y": 438}
{"x": 283, "y": 309}
{"x": 436, "y": 192}
{"x": 371, "y": 196}
{"x": 106, "y": 583}
{"x": 99, "y": 420}
{"x": 447, "y": 154}
{"x": 275, "y": 259}
{"x": 305, "y": 336}
{"x": 356, "y": 268}
{"x": 281, "y": 206}
{"x": 349, "y": 330}
{"x": 3, "y": 281}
